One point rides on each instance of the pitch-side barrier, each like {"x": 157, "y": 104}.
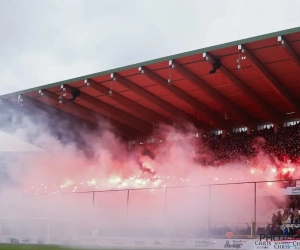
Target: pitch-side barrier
{"x": 172, "y": 243}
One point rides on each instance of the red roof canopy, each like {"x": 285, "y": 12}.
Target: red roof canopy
{"x": 256, "y": 81}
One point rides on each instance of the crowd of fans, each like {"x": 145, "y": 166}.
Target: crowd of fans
{"x": 241, "y": 146}
{"x": 285, "y": 222}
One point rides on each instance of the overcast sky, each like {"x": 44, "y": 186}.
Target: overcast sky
{"x": 43, "y": 41}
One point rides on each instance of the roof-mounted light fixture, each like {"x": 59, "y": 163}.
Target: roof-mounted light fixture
{"x": 242, "y": 56}
{"x": 280, "y": 40}
{"x": 205, "y": 57}
{"x": 63, "y": 90}
{"x": 75, "y": 93}
{"x": 112, "y": 78}
{"x": 141, "y": 70}
{"x": 60, "y": 98}
{"x": 86, "y": 83}
{"x": 171, "y": 66}
{"x": 20, "y": 100}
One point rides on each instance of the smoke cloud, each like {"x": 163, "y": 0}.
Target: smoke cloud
{"x": 48, "y": 194}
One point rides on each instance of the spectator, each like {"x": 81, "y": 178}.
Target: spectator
{"x": 296, "y": 217}
{"x": 284, "y": 145}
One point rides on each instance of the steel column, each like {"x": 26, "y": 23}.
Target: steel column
{"x": 209, "y": 206}
{"x": 254, "y": 222}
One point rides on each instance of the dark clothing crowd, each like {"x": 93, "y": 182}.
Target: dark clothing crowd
{"x": 286, "y": 222}
{"x": 241, "y": 146}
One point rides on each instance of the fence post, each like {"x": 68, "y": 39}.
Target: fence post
{"x": 127, "y": 204}
{"x": 48, "y": 230}
{"x": 254, "y": 224}
{"x": 166, "y": 193}
{"x": 209, "y": 207}
{"x": 93, "y": 199}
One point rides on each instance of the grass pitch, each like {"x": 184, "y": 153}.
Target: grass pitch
{"x": 31, "y": 247}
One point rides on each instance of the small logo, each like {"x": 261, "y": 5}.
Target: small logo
{"x": 204, "y": 243}
{"x": 234, "y": 245}
{"x": 157, "y": 243}
{"x": 139, "y": 242}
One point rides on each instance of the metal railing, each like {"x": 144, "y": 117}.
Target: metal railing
{"x": 200, "y": 207}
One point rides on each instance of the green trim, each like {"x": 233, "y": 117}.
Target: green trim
{"x": 162, "y": 59}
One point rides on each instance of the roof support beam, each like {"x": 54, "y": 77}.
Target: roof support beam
{"x": 200, "y": 107}
{"x": 237, "y": 111}
{"x": 275, "y": 83}
{"x": 268, "y": 110}
{"x": 175, "y": 112}
{"x": 114, "y": 113}
{"x": 140, "y": 111}
{"x": 288, "y": 50}
{"x": 87, "y": 114}
{"x": 71, "y": 108}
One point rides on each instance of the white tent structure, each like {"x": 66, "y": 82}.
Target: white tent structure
{"x": 11, "y": 144}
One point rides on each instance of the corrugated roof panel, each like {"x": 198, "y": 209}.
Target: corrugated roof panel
{"x": 115, "y": 86}
{"x": 158, "y": 90}
{"x": 224, "y": 51}
{"x": 199, "y": 95}
{"x": 90, "y": 91}
{"x": 54, "y": 89}
{"x": 259, "y": 85}
{"x": 292, "y": 37}
{"x": 129, "y": 72}
{"x": 291, "y": 79}
{"x": 270, "y": 94}
{"x": 169, "y": 73}
{"x": 84, "y": 103}
{"x": 199, "y": 68}
{"x": 241, "y": 99}
{"x": 190, "y": 59}
{"x": 247, "y": 74}
{"x": 75, "y": 84}
{"x": 31, "y": 94}
{"x": 248, "y": 106}
{"x": 107, "y": 99}
{"x": 219, "y": 110}
{"x": 296, "y": 47}
{"x": 179, "y": 103}
{"x": 262, "y": 43}
{"x": 295, "y": 90}
{"x": 154, "y": 107}
{"x": 184, "y": 85}
{"x": 141, "y": 80}
{"x": 270, "y": 54}
{"x": 281, "y": 106}
{"x": 231, "y": 62}
{"x": 228, "y": 90}
{"x": 131, "y": 95}
{"x": 158, "y": 65}
{"x": 283, "y": 67}
{"x": 102, "y": 78}
{"x": 127, "y": 110}
{"x": 46, "y": 100}
{"x": 273, "y": 101}
{"x": 218, "y": 80}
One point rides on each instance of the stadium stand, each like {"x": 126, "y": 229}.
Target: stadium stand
{"x": 284, "y": 145}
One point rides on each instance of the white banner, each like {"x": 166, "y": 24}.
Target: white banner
{"x": 280, "y": 244}
{"x": 292, "y": 191}
{"x": 174, "y": 243}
